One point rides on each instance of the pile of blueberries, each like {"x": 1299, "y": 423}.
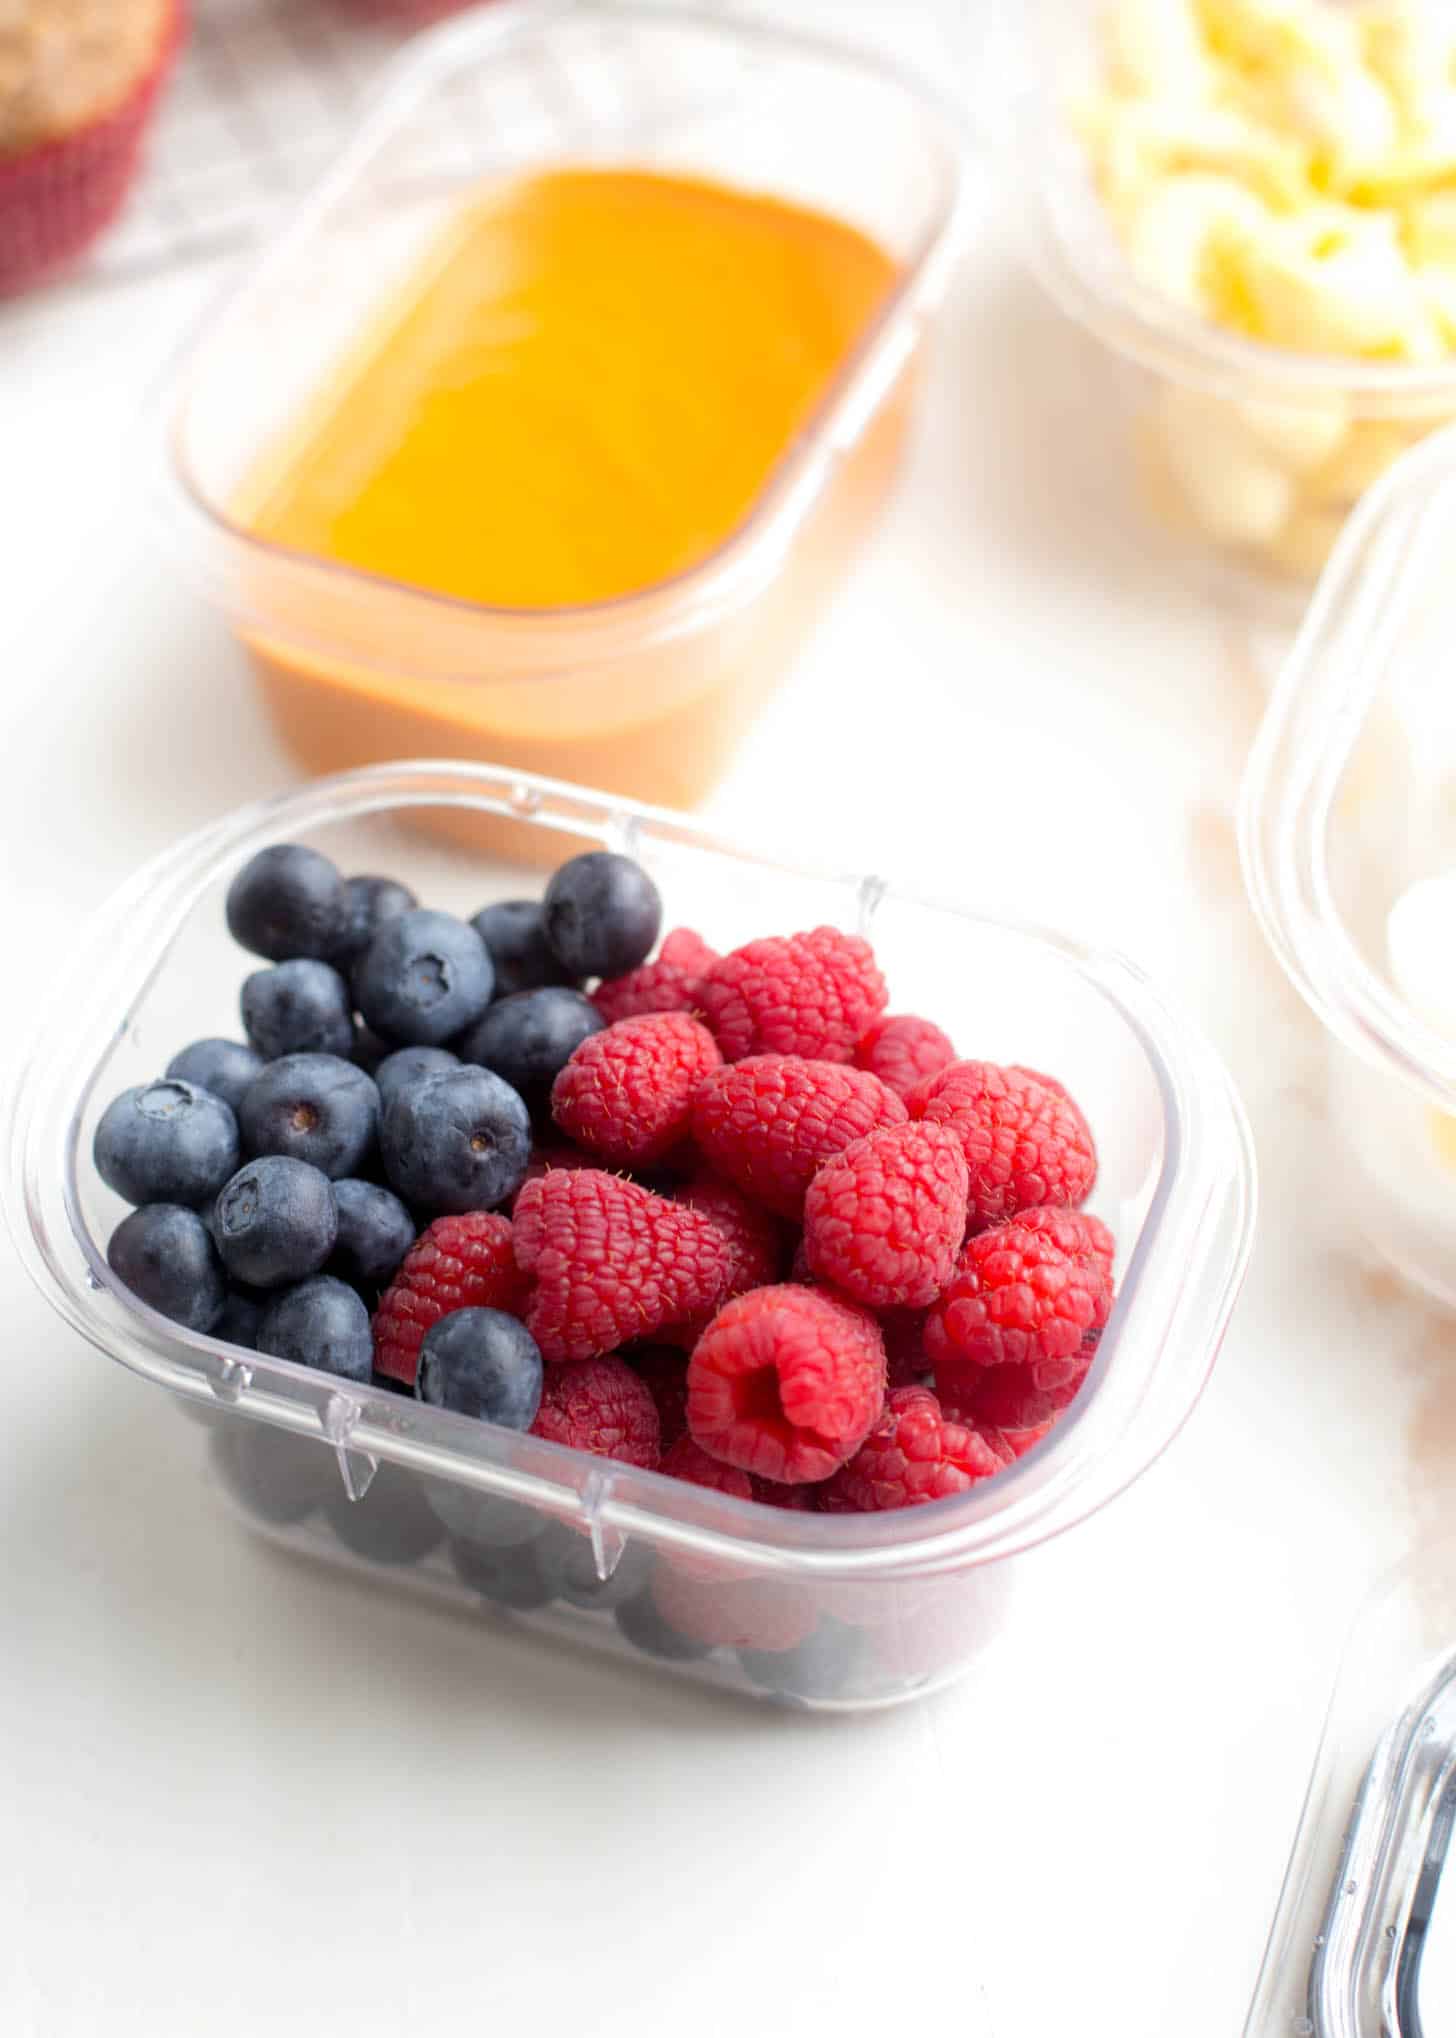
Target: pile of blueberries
{"x": 395, "y": 1059}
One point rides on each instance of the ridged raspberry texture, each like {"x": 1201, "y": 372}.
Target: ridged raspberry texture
{"x": 770, "y": 1123}
{"x": 1025, "y": 1141}
{"x": 689, "y": 1461}
{"x": 902, "y": 1051}
{"x": 1017, "y": 1299}
{"x": 904, "y": 1333}
{"x": 457, "y": 1263}
{"x": 812, "y": 995}
{"x": 884, "y": 1220}
{"x": 1076, "y": 1231}
{"x": 786, "y": 1382}
{"x": 1002, "y": 1402}
{"x": 673, "y": 983}
{"x": 600, "y": 1406}
{"x": 612, "y": 1262}
{"x": 626, "y": 1095}
{"x": 755, "y": 1245}
{"x": 58, "y": 195}
{"x": 914, "y": 1453}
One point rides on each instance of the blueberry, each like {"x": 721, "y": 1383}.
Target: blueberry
{"x": 644, "y": 1627}
{"x": 408, "y": 1064}
{"x": 275, "y": 1221}
{"x": 288, "y": 901}
{"x": 312, "y": 1107}
{"x": 165, "y": 1257}
{"x": 513, "y": 932}
{"x": 457, "y": 1141}
{"x": 529, "y": 1037}
{"x": 578, "y": 1581}
{"x": 484, "y": 1363}
{"x": 369, "y": 902}
{"x": 391, "y": 1524}
{"x": 602, "y": 913}
{"x": 489, "y": 1520}
{"x": 242, "y": 1312}
{"x": 226, "y": 1067}
{"x": 275, "y": 1475}
{"x": 166, "y": 1142}
{"x": 422, "y": 978}
{"x": 521, "y": 1577}
{"x": 375, "y": 1233}
{"x": 321, "y": 1323}
{"x": 298, "y": 1008}
{"x": 819, "y": 1667}
{"x": 368, "y": 1050}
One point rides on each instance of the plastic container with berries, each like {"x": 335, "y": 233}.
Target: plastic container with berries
{"x": 615, "y": 1170}
{"x": 1245, "y": 204}
{"x": 648, "y": 691}
{"x": 1348, "y": 828}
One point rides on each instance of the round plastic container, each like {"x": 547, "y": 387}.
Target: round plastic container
{"x": 647, "y": 694}
{"x": 845, "y": 1611}
{"x": 1349, "y": 797}
{"x": 1250, "y": 457}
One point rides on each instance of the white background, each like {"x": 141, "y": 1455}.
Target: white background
{"x": 237, "y": 1796}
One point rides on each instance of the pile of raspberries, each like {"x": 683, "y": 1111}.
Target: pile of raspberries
{"x": 783, "y": 1245}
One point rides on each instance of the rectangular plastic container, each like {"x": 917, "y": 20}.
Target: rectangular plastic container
{"x": 645, "y": 695}
{"x": 879, "y": 1608}
{"x": 1248, "y": 458}
{"x": 1348, "y": 798}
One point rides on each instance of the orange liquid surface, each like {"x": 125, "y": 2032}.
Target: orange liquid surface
{"x": 583, "y": 393}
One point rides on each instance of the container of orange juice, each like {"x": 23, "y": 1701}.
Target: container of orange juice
{"x": 546, "y": 430}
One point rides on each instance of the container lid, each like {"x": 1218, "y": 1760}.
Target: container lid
{"x": 1364, "y": 1941}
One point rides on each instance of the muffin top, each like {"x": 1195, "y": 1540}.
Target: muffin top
{"x": 64, "y": 63}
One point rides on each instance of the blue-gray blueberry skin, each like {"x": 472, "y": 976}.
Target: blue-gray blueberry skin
{"x": 225, "y": 1067}
{"x": 288, "y": 901}
{"x": 529, "y": 1037}
{"x": 490, "y": 1520}
{"x": 375, "y": 1233}
{"x": 165, "y": 1257}
{"x": 644, "y": 1627}
{"x": 515, "y": 933}
{"x": 166, "y": 1142}
{"x": 279, "y": 1477}
{"x": 578, "y": 1582}
{"x": 602, "y": 913}
{"x": 276, "y": 1221}
{"x": 484, "y": 1363}
{"x": 369, "y": 902}
{"x": 391, "y": 1524}
{"x": 522, "y": 1577}
{"x": 408, "y": 1064}
{"x": 242, "y": 1312}
{"x": 301, "y": 1007}
{"x": 320, "y": 1323}
{"x": 317, "y": 1108}
{"x": 821, "y": 1666}
{"x": 455, "y": 1142}
{"x": 423, "y": 978}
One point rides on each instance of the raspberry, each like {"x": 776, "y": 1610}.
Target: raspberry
{"x": 786, "y": 1382}
{"x": 903, "y": 1051}
{"x": 674, "y": 983}
{"x": 734, "y": 1613}
{"x": 771, "y": 1122}
{"x": 458, "y": 1263}
{"x": 601, "y": 1406}
{"x": 1017, "y": 1299}
{"x": 904, "y": 1333}
{"x": 1002, "y": 1402}
{"x": 1025, "y": 1141}
{"x": 884, "y": 1220}
{"x": 914, "y": 1453}
{"x": 665, "y": 1369}
{"x": 626, "y": 1094}
{"x": 688, "y": 1460}
{"x": 806, "y": 994}
{"x": 554, "y": 1153}
{"x": 1076, "y": 1231}
{"x": 612, "y": 1262}
{"x": 755, "y": 1246}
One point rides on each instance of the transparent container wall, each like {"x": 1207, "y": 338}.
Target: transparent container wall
{"x": 851, "y": 1610}
{"x": 1247, "y": 459}
{"x": 1350, "y": 798}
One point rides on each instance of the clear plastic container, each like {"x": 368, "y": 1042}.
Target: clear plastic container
{"x": 645, "y": 695}
{"x": 1248, "y": 457}
{"x": 1364, "y": 1940}
{"x": 1349, "y": 797}
{"x": 846, "y": 1611}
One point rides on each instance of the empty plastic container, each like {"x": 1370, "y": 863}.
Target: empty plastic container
{"x": 844, "y": 1611}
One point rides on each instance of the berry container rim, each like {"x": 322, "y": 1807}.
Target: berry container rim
{"x": 1177, "y": 1294}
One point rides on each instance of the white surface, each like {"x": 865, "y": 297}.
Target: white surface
{"x": 238, "y": 1797}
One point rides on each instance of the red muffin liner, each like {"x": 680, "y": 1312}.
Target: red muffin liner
{"x": 57, "y": 196}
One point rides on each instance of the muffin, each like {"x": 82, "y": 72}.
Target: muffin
{"x": 79, "y": 80}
